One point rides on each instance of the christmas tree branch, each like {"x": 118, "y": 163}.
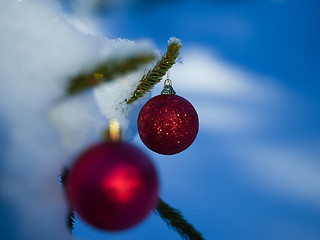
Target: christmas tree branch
{"x": 107, "y": 71}
{"x": 71, "y": 220}
{"x": 174, "y": 219}
{"x": 71, "y": 216}
{"x": 155, "y": 75}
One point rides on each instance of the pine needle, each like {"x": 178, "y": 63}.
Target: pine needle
{"x": 174, "y": 219}
{"x": 155, "y": 75}
{"x": 71, "y": 215}
{"x": 107, "y": 71}
{"x": 71, "y": 220}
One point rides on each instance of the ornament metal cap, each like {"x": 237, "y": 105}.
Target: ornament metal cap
{"x": 168, "y": 89}
{"x": 113, "y": 133}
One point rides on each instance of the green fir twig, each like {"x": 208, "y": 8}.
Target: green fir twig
{"x": 174, "y": 219}
{"x": 106, "y": 71}
{"x": 155, "y": 75}
{"x": 63, "y": 177}
{"x": 71, "y": 219}
{"x": 71, "y": 215}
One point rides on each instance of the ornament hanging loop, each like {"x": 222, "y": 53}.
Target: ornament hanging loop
{"x": 168, "y": 89}
{"x": 113, "y": 133}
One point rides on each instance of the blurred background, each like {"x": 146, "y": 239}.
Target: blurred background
{"x": 251, "y": 69}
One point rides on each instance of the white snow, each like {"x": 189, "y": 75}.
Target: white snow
{"x": 41, "y": 131}
{"x": 111, "y": 96}
{"x": 174, "y": 39}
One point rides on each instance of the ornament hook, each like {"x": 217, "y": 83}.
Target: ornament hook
{"x": 113, "y": 133}
{"x": 168, "y": 89}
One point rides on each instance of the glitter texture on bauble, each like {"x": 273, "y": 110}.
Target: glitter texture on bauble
{"x": 168, "y": 124}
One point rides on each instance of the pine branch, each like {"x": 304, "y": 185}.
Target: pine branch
{"x": 107, "y": 71}
{"x": 155, "y": 75}
{"x": 71, "y": 215}
{"x": 174, "y": 219}
{"x": 71, "y": 220}
{"x": 64, "y": 177}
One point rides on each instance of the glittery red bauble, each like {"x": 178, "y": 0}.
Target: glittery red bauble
{"x": 113, "y": 186}
{"x": 168, "y": 124}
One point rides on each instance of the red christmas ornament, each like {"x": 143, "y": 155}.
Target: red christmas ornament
{"x": 113, "y": 186}
{"x": 168, "y": 123}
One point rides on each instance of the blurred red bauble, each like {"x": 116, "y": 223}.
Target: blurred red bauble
{"x": 113, "y": 186}
{"x": 168, "y": 124}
